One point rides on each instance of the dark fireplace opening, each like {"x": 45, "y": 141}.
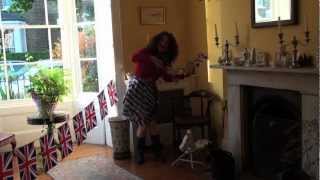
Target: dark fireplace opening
{"x": 272, "y": 131}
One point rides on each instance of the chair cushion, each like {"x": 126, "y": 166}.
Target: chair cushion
{"x": 190, "y": 121}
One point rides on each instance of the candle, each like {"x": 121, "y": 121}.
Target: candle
{"x": 215, "y": 30}
{"x": 237, "y": 30}
{"x": 279, "y": 24}
{"x": 306, "y": 28}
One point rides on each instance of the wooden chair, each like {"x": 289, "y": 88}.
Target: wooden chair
{"x": 187, "y": 114}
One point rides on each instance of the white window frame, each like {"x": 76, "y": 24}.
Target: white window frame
{"x": 64, "y": 11}
{"x": 70, "y": 56}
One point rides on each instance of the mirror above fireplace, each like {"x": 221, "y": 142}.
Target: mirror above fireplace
{"x": 265, "y": 13}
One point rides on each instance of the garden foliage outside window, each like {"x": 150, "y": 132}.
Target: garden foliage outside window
{"x": 87, "y": 45}
{"x": 30, "y": 36}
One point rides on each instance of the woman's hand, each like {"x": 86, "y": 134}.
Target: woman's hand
{"x": 157, "y": 62}
{"x": 190, "y": 67}
{"x": 201, "y": 57}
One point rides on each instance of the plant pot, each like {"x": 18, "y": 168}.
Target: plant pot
{"x": 44, "y": 108}
{"x": 120, "y": 138}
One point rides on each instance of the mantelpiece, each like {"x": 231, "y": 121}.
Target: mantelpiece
{"x": 301, "y": 80}
{"x": 268, "y": 69}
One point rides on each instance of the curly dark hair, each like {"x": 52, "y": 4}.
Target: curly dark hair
{"x": 172, "y": 53}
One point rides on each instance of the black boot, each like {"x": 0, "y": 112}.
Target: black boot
{"x": 140, "y": 149}
{"x": 157, "y": 148}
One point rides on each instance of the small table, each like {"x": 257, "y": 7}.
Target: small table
{"x": 7, "y": 138}
{"x": 58, "y": 117}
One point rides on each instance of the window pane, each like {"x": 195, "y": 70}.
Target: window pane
{"x": 56, "y": 44}
{"x": 85, "y": 10}
{"x": 89, "y": 76}
{"x": 18, "y": 79}
{"x": 53, "y": 14}
{"x": 87, "y": 41}
{"x": 3, "y": 94}
{"x": 17, "y": 12}
{"x": 26, "y": 45}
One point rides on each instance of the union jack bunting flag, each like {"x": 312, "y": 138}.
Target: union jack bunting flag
{"x": 103, "y": 105}
{"x": 79, "y": 128}
{"x": 112, "y": 92}
{"x": 6, "y": 170}
{"x": 48, "y": 152}
{"x": 27, "y": 162}
{"x": 91, "y": 119}
{"x": 64, "y": 135}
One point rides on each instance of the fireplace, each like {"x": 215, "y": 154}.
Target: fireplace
{"x": 267, "y": 89}
{"x": 272, "y": 130}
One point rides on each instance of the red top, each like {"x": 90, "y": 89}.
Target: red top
{"x": 147, "y": 70}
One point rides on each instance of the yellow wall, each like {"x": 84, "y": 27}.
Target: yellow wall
{"x": 192, "y": 22}
{"x": 266, "y": 38}
{"x": 135, "y": 35}
{"x": 225, "y": 12}
{"x": 184, "y": 18}
{"x": 197, "y": 36}
{"x": 215, "y": 76}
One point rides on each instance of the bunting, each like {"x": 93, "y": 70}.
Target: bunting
{"x": 27, "y": 162}
{"x": 91, "y": 119}
{"x": 64, "y": 135}
{"x": 26, "y": 155}
{"x": 6, "y": 168}
{"x": 79, "y": 128}
{"x": 103, "y": 105}
{"x": 48, "y": 152}
{"x": 112, "y": 92}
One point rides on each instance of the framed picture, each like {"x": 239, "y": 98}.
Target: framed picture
{"x": 152, "y": 15}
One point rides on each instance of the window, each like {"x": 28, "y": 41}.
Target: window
{"x": 86, "y": 29}
{"x": 30, "y": 36}
{"x": 55, "y": 33}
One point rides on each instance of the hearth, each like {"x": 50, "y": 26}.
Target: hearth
{"x": 302, "y": 83}
{"x": 272, "y": 130}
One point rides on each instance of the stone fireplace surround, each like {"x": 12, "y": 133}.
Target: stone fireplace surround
{"x": 303, "y": 80}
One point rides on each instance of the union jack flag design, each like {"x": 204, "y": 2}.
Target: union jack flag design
{"x": 91, "y": 119}
{"x": 112, "y": 92}
{"x": 27, "y": 162}
{"x": 6, "y": 170}
{"x": 79, "y": 128}
{"x": 103, "y": 105}
{"x": 48, "y": 152}
{"x": 64, "y": 135}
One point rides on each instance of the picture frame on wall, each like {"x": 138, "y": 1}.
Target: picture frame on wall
{"x": 152, "y": 15}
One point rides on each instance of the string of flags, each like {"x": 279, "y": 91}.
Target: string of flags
{"x": 26, "y": 155}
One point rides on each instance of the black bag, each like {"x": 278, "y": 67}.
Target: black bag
{"x": 222, "y": 165}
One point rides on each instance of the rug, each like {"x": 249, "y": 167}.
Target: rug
{"x": 88, "y": 168}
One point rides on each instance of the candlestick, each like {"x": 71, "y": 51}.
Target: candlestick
{"x": 295, "y": 58}
{"x": 307, "y": 36}
{"x": 280, "y": 35}
{"x": 237, "y": 40}
{"x": 279, "y": 24}
{"x": 216, "y": 30}
{"x": 306, "y": 28}
{"x": 217, "y": 41}
{"x": 236, "y": 27}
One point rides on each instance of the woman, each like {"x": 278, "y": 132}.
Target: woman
{"x": 140, "y": 102}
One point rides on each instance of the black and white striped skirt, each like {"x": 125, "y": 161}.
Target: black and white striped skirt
{"x": 140, "y": 102}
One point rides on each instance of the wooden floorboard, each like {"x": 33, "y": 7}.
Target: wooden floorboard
{"x": 152, "y": 169}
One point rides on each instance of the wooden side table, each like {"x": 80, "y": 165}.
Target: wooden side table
{"x": 58, "y": 117}
{"x": 7, "y": 138}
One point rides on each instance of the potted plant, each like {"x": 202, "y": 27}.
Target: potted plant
{"x": 48, "y": 86}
